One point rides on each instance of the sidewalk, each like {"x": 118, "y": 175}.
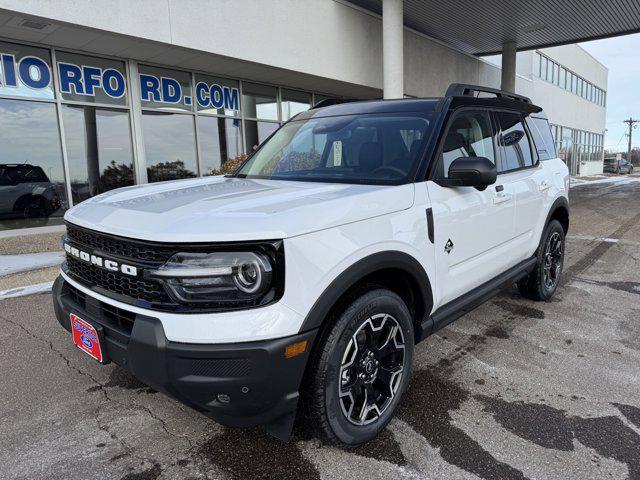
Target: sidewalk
{"x": 29, "y": 261}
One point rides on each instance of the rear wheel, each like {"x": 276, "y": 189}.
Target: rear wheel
{"x": 545, "y": 277}
{"x": 360, "y": 370}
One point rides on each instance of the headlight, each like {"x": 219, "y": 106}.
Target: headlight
{"x": 220, "y": 277}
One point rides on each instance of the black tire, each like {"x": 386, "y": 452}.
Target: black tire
{"x": 543, "y": 281}
{"x": 325, "y": 409}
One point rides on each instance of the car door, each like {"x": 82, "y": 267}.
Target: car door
{"x": 471, "y": 227}
{"x": 524, "y": 177}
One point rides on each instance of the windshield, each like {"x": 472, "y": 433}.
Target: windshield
{"x": 372, "y": 148}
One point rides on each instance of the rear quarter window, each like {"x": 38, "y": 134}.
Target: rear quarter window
{"x": 542, "y": 138}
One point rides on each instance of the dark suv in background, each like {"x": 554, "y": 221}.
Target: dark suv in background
{"x": 614, "y": 165}
{"x": 26, "y": 192}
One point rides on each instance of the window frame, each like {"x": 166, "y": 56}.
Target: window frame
{"x": 452, "y": 116}
{"x": 532, "y": 150}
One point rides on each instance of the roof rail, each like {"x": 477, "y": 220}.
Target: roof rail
{"x": 327, "y": 102}
{"x": 462, "y": 90}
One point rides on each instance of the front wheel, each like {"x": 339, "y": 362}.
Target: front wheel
{"x": 545, "y": 277}
{"x": 360, "y": 370}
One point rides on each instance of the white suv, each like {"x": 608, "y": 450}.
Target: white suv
{"x": 307, "y": 277}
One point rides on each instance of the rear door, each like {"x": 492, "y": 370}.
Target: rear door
{"x": 523, "y": 175}
{"x": 472, "y": 228}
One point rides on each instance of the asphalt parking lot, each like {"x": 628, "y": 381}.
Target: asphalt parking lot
{"x": 516, "y": 389}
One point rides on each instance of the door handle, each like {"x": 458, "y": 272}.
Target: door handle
{"x": 501, "y": 197}
{"x": 544, "y": 186}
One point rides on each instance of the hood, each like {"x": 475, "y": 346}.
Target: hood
{"x": 219, "y": 209}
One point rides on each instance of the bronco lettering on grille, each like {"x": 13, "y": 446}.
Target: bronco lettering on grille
{"x": 100, "y": 262}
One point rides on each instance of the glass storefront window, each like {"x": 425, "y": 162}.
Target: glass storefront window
{"x": 91, "y": 80}
{"x": 25, "y": 71}
{"x": 32, "y": 188}
{"x": 217, "y": 95}
{"x": 164, "y": 89}
{"x": 220, "y": 139}
{"x": 170, "y": 146}
{"x": 259, "y": 101}
{"x": 257, "y": 132}
{"x": 99, "y": 154}
{"x": 294, "y": 102}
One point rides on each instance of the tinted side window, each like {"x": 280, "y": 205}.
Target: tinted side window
{"x": 542, "y": 137}
{"x": 513, "y": 142}
{"x": 469, "y": 135}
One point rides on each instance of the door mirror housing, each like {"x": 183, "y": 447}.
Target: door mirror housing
{"x": 478, "y": 172}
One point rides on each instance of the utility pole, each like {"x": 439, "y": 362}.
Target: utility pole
{"x": 632, "y": 124}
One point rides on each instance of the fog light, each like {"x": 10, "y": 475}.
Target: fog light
{"x": 223, "y": 398}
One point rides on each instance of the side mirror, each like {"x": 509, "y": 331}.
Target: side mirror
{"x": 478, "y": 172}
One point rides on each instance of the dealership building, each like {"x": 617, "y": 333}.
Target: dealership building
{"x": 96, "y": 95}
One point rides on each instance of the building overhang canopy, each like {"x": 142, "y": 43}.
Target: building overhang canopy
{"x": 482, "y": 27}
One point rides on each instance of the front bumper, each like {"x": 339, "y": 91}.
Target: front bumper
{"x": 261, "y": 384}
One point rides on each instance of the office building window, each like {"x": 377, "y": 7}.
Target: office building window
{"x": 32, "y": 185}
{"x": 294, "y": 102}
{"x": 220, "y": 139}
{"x": 170, "y": 146}
{"x": 259, "y": 101}
{"x": 99, "y": 154}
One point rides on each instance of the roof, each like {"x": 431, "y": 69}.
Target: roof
{"x": 457, "y": 95}
{"x": 482, "y": 27}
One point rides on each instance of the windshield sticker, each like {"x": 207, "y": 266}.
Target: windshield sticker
{"x": 337, "y": 153}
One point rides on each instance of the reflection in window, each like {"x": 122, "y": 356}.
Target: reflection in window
{"x": 257, "y": 132}
{"x": 470, "y": 135}
{"x": 32, "y": 189}
{"x": 220, "y": 139}
{"x": 170, "y": 146}
{"x": 99, "y": 152}
{"x": 12, "y": 81}
{"x": 294, "y": 102}
{"x": 259, "y": 101}
{"x": 514, "y": 142}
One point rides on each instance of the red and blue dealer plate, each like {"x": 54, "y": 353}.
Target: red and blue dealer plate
{"x": 86, "y": 337}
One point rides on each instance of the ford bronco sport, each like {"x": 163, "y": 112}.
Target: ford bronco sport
{"x": 303, "y": 281}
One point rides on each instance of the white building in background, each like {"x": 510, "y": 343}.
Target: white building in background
{"x": 571, "y": 86}
{"x": 93, "y": 99}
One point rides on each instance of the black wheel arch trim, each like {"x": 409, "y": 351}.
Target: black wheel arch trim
{"x": 560, "y": 202}
{"x": 359, "y": 270}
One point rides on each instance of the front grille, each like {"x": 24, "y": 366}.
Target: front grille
{"x": 145, "y": 256}
{"x": 120, "y": 247}
{"x": 118, "y": 323}
{"x": 117, "y": 283}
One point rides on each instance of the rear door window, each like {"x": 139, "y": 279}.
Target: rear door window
{"x": 513, "y": 142}
{"x": 542, "y": 138}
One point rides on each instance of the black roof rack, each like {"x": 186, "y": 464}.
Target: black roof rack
{"x": 327, "y": 102}
{"x": 464, "y": 90}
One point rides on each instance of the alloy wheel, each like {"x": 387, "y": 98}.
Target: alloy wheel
{"x": 371, "y": 371}
{"x": 553, "y": 261}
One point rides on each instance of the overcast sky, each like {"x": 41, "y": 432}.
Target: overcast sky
{"x": 621, "y": 55}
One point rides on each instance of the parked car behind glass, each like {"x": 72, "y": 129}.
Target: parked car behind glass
{"x": 26, "y": 192}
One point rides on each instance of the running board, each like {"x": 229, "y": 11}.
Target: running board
{"x": 476, "y": 297}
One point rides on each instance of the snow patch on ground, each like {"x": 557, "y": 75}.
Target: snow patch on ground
{"x": 618, "y": 180}
{"x": 28, "y": 290}
{"x": 29, "y": 261}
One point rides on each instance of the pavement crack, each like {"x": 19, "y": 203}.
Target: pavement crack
{"x": 66, "y": 360}
{"x": 164, "y": 425}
